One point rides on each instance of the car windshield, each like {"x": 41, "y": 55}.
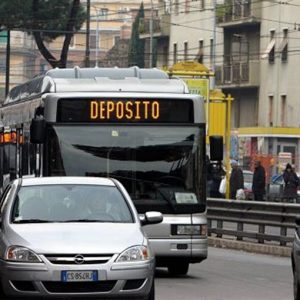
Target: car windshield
{"x": 70, "y": 203}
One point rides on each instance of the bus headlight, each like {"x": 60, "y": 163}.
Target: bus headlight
{"x": 191, "y": 229}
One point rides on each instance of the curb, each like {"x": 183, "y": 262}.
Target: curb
{"x": 249, "y": 247}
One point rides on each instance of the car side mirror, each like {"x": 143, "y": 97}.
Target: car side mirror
{"x": 151, "y": 217}
{"x": 297, "y": 220}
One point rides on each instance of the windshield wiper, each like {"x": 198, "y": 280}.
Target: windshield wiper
{"x": 32, "y": 221}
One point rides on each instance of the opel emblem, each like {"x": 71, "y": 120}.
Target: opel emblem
{"x": 79, "y": 259}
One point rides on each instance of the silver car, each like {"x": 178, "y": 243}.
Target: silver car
{"x": 74, "y": 236}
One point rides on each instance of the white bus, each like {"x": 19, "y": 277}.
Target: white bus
{"x": 135, "y": 125}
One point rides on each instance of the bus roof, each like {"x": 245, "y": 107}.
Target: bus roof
{"x": 78, "y": 79}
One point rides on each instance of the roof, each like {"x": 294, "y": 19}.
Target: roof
{"x": 78, "y": 79}
{"x": 67, "y": 180}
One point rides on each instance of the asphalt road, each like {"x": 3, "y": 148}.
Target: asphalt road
{"x": 230, "y": 275}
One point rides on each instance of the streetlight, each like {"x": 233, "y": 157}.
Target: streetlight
{"x": 151, "y": 36}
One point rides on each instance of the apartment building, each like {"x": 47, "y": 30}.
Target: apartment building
{"x": 22, "y": 59}
{"x": 161, "y": 25}
{"x": 110, "y": 21}
{"x": 193, "y": 31}
{"x": 257, "y": 44}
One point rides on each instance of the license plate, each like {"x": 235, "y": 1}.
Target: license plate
{"x": 70, "y": 276}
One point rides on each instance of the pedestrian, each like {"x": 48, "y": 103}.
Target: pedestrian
{"x": 259, "y": 181}
{"x": 236, "y": 180}
{"x": 291, "y": 182}
{"x": 217, "y": 173}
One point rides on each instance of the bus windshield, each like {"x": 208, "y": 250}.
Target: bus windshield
{"x": 161, "y": 167}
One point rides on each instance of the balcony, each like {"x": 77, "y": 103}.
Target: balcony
{"x": 235, "y": 13}
{"x": 161, "y": 27}
{"x": 239, "y": 74}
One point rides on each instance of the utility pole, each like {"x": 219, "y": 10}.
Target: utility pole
{"x": 7, "y": 69}
{"x": 97, "y": 38}
{"x": 87, "y": 36}
{"x": 213, "y": 63}
{"x": 151, "y": 36}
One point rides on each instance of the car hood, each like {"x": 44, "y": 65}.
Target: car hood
{"x": 75, "y": 237}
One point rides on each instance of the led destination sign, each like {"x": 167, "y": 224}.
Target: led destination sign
{"x": 125, "y": 110}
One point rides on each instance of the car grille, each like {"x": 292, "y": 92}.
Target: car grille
{"x": 81, "y": 259}
{"x": 79, "y": 287}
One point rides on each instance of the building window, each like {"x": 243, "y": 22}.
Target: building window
{"x": 200, "y": 54}
{"x": 93, "y": 41}
{"x": 116, "y": 39}
{"x": 3, "y": 37}
{"x": 103, "y": 14}
{"x": 175, "y": 53}
{"x": 176, "y": 7}
{"x": 211, "y": 54}
{"x": 202, "y": 4}
{"x": 283, "y": 111}
{"x": 187, "y": 6}
{"x": 283, "y": 48}
{"x": 270, "y": 50}
{"x": 185, "y": 51}
{"x": 270, "y": 111}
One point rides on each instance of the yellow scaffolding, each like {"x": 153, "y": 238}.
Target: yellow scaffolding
{"x": 218, "y": 106}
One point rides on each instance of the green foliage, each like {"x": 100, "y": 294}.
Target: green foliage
{"x": 137, "y": 45}
{"x": 222, "y": 10}
{"x": 51, "y": 17}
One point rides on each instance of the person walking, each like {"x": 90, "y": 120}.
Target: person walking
{"x": 291, "y": 182}
{"x": 259, "y": 181}
{"x": 236, "y": 180}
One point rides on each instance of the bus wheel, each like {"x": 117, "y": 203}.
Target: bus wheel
{"x": 179, "y": 269}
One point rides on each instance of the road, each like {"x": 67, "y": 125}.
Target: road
{"x": 230, "y": 275}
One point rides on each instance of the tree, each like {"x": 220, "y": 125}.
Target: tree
{"x": 137, "y": 45}
{"x": 45, "y": 20}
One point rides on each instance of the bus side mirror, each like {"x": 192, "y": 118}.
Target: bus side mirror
{"x": 37, "y": 131}
{"x": 216, "y": 147}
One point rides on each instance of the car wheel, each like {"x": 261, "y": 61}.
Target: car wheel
{"x": 178, "y": 269}
{"x": 151, "y": 295}
{"x": 296, "y": 286}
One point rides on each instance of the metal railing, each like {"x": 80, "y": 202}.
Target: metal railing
{"x": 254, "y": 221}
{"x": 240, "y": 73}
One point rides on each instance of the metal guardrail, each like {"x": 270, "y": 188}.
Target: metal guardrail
{"x": 251, "y": 219}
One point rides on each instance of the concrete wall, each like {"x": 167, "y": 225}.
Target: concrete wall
{"x": 192, "y": 25}
{"x": 280, "y": 78}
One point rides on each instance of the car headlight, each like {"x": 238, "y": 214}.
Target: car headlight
{"x": 136, "y": 253}
{"x": 21, "y": 254}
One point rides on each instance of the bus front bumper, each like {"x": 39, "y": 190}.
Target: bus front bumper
{"x": 191, "y": 250}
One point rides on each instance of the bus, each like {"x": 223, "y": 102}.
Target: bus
{"x": 135, "y": 125}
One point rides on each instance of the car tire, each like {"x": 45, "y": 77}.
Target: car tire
{"x": 2, "y": 294}
{"x": 178, "y": 269}
{"x": 296, "y": 286}
{"x": 151, "y": 295}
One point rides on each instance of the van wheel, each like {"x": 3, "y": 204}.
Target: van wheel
{"x": 178, "y": 269}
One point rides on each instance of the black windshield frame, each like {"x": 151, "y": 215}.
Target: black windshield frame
{"x": 58, "y": 162}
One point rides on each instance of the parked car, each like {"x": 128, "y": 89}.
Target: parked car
{"x": 296, "y": 260}
{"x": 276, "y": 187}
{"x": 74, "y": 236}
